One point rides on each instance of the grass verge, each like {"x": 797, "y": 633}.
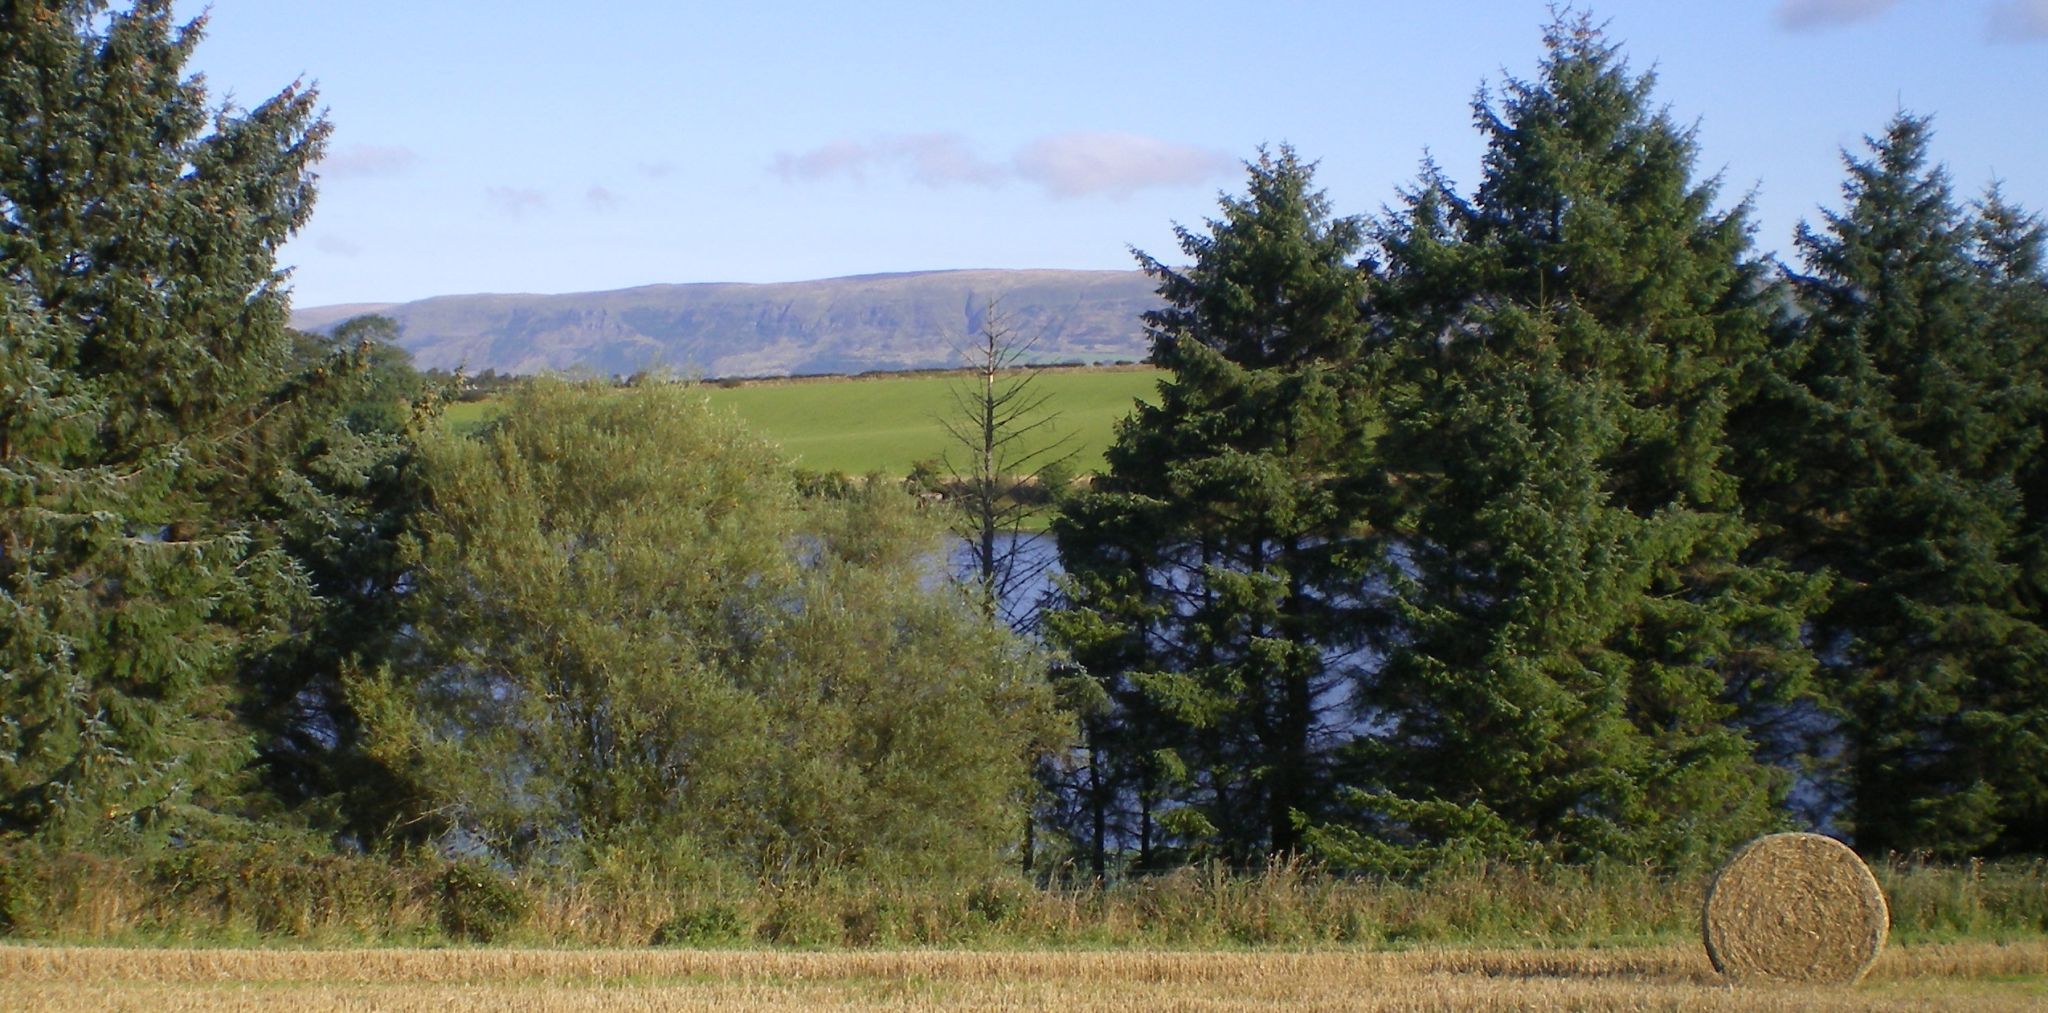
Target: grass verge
{"x": 271, "y": 895}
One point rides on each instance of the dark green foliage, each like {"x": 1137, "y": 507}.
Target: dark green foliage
{"x": 1895, "y": 447}
{"x": 1388, "y": 835}
{"x": 340, "y": 507}
{"x": 1214, "y": 573}
{"x": 1578, "y": 634}
{"x": 150, "y": 412}
{"x": 389, "y": 386}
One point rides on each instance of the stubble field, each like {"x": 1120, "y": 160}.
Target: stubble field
{"x": 1962, "y": 976}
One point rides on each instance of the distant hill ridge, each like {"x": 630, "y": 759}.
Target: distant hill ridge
{"x": 913, "y": 320}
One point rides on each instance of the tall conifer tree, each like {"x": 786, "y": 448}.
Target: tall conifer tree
{"x": 1897, "y": 425}
{"x": 147, "y": 375}
{"x": 1215, "y": 573}
{"x": 1580, "y": 636}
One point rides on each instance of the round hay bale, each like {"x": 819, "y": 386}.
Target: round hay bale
{"x": 1795, "y": 907}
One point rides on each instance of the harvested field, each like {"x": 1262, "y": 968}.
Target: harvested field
{"x": 1975, "y": 976}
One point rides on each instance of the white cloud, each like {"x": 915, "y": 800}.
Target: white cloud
{"x": 1065, "y": 165}
{"x": 1801, "y": 15}
{"x": 368, "y": 160}
{"x": 1086, "y": 163}
{"x": 515, "y": 201}
{"x": 2019, "y": 21}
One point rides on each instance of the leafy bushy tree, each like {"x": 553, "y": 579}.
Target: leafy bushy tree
{"x": 148, "y": 392}
{"x": 629, "y": 630}
{"x": 1214, "y": 573}
{"x": 1579, "y": 635}
{"x": 1899, "y": 424}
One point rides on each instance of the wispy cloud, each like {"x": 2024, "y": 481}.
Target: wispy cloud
{"x": 657, "y": 170}
{"x": 2019, "y": 21}
{"x": 838, "y": 158}
{"x": 515, "y": 201}
{"x": 934, "y": 159}
{"x": 1118, "y": 165}
{"x": 1804, "y": 15}
{"x": 600, "y": 197}
{"x": 1065, "y": 165}
{"x": 338, "y": 246}
{"x": 942, "y": 159}
{"x": 368, "y": 160}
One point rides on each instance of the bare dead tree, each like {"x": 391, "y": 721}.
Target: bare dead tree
{"x": 1002, "y": 464}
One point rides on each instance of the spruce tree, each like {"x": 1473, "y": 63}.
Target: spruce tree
{"x": 1899, "y": 423}
{"x": 343, "y": 494}
{"x": 1579, "y": 635}
{"x": 2012, "y": 258}
{"x": 147, "y": 379}
{"x": 1215, "y": 572}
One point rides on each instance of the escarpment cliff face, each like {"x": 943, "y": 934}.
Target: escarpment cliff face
{"x": 868, "y": 322}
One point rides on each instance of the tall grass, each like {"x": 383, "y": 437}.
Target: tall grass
{"x": 274, "y": 894}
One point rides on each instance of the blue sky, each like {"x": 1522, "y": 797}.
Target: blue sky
{"x": 540, "y": 147}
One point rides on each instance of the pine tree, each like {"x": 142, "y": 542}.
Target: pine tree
{"x": 1577, "y": 627}
{"x": 1215, "y": 575}
{"x": 1898, "y": 422}
{"x": 146, "y": 378}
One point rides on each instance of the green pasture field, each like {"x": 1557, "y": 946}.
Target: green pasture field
{"x": 856, "y": 425}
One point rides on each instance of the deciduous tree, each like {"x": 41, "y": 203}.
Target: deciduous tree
{"x": 629, "y": 630}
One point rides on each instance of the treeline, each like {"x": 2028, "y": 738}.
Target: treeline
{"x": 1546, "y": 520}
{"x": 1541, "y": 523}
{"x": 255, "y": 597}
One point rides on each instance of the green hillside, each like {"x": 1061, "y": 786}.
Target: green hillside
{"x": 887, "y": 423}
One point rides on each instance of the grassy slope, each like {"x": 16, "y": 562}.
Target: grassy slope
{"x": 860, "y": 425}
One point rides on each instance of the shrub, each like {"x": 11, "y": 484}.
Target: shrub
{"x": 480, "y": 904}
{"x": 712, "y": 924}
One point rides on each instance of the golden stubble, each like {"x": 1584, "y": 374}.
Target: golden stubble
{"x": 1975, "y": 976}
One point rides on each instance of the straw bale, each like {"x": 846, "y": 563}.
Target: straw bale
{"x": 1795, "y": 907}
